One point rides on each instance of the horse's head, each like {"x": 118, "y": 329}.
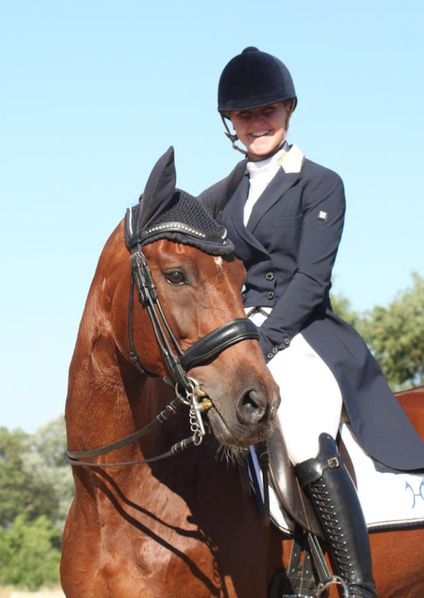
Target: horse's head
{"x": 198, "y": 281}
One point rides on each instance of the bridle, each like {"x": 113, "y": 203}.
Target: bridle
{"x": 177, "y": 362}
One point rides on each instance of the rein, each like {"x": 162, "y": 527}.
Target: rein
{"x": 171, "y": 409}
{"x": 177, "y": 362}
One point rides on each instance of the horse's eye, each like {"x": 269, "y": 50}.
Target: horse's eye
{"x": 176, "y": 276}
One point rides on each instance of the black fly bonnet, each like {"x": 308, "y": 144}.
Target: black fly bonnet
{"x": 165, "y": 212}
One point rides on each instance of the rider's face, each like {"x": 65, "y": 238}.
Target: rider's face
{"x": 262, "y": 130}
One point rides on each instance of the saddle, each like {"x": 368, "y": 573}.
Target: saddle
{"x": 286, "y": 486}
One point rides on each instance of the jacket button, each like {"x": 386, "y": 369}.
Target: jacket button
{"x": 270, "y": 295}
{"x": 270, "y": 355}
{"x": 269, "y": 275}
{"x": 275, "y": 350}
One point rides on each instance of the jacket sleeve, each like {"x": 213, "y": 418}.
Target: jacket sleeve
{"x": 321, "y": 230}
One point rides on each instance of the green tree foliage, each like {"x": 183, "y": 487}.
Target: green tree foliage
{"x": 47, "y": 461}
{"x": 396, "y": 336}
{"x": 35, "y": 492}
{"x": 35, "y": 478}
{"x": 341, "y": 306}
{"x": 29, "y": 553}
{"x": 22, "y": 491}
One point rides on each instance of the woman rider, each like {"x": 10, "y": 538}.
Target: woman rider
{"x": 286, "y": 220}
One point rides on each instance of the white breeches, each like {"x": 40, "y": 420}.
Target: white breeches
{"x": 311, "y": 401}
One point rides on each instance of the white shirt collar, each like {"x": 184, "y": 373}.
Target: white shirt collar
{"x": 272, "y": 163}
{"x": 289, "y": 158}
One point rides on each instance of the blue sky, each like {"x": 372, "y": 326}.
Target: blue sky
{"x": 94, "y": 92}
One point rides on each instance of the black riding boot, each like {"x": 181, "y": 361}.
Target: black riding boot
{"x": 333, "y": 495}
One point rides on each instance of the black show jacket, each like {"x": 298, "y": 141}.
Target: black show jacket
{"x": 288, "y": 248}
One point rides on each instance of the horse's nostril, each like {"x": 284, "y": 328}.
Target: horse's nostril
{"x": 252, "y": 407}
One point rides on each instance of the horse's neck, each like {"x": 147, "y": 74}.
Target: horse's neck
{"x": 97, "y": 407}
{"x": 105, "y": 403}
{"x": 108, "y": 399}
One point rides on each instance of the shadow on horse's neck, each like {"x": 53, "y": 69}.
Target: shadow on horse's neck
{"x": 107, "y": 485}
{"x": 209, "y": 491}
{"x": 200, "y": 476}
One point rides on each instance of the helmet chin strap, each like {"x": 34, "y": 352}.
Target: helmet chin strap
{"x": 233, "y": 138}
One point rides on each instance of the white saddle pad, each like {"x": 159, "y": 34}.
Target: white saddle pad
{"x": 388, "y": 500}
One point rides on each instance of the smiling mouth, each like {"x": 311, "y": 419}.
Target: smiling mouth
{"x": 260, "y": 134}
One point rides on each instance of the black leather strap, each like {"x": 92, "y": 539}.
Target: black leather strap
{"x": 216, "y": 341}
{"x": 160, "y": 418}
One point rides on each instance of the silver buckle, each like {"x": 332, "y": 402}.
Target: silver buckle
{"x": 335, "y": 580}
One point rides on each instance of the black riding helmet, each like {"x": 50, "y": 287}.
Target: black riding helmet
{"x": 254, "y": 79}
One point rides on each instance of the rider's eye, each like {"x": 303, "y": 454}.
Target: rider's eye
{"x": 176, "y": 276}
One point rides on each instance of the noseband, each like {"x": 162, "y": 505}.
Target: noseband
{"x": 177, "y": 362}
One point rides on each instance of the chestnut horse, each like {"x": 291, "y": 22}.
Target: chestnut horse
{"x": 183, "y": 526}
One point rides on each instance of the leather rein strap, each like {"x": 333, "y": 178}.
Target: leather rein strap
{"x": 177, "y": 362}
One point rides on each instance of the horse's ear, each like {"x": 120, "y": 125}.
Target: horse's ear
{"x": 215, "y": 197}
{"x": 159, "y": 190}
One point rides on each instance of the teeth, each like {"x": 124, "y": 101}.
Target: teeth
{"x": 260, "y": 134}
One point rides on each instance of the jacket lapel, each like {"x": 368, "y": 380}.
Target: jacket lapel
{"x": 236, "y": 204}
{"x": 279, "y": 185}
{"x": 233, "y": 220}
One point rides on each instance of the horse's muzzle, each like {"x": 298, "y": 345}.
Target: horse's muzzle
{"x": 252, "y": 407}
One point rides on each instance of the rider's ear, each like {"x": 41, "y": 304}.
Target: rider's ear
{"x": 159, "y": 190}
{"x": 215, "y": 197}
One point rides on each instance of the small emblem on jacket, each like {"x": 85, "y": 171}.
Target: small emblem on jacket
{"x": 323, "y": 215}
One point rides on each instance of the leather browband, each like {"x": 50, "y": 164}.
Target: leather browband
{"x": 216, "y": 341}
